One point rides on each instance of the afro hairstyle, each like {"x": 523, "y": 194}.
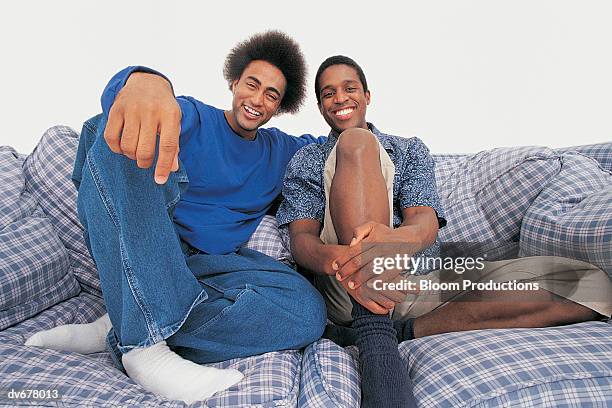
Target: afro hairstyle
{"x": 278, "y": 49}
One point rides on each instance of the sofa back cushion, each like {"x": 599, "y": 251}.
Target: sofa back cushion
{"x": 572, "y": 216}
{"x": 602, "y": 152}
{"x": 34, "y": 265}
{"x": 267, "y": 240}
{"x": 486, "y": 195}
{"x": 48, "y": 170}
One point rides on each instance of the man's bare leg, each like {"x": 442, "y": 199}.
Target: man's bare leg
{"x": 501, "y": 309}
{"x": 358, "y": 194}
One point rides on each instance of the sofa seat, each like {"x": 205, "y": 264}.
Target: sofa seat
{"x": 569, "y": 366}
{"x": 551, "y": 367}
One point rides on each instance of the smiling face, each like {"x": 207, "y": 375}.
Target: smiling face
{"x": 257, "y": 97}
{"x": 343, "y": 99}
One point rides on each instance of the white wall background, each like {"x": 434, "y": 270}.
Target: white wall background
{"x": 463, "y": 75}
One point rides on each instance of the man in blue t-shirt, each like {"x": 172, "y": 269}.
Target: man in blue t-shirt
{"x": 167, "y": 241}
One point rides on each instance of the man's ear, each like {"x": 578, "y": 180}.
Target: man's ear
{"x": 233, "y": 85}
{"x": 367, "y": 97}
{"x": 320, "y": 106}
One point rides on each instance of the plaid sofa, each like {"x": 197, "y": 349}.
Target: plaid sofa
{"x": 520, "y": 201}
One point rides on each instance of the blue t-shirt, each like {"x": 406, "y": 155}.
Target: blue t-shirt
{"x": 232, "y": 181}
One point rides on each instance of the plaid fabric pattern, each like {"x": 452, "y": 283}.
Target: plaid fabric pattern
{"x": 572, "y": 216}
{"x": 15, "y": 203}
{"x": 446, "y": 166}
{"x": 267, "y": 240}
{"x": 486, "y": 195}
{"x": 564, "y": 366}
{"x": 33, "y": 262}
{"x": 83, "y": 308}
{"x": 271, "y": 379}
{"x": 330, "y": 377}
{"x": 561, "y": 366}
{"x": 563, "y": 394}
{"x": 48, "y": 171}
{"x": 80, "y": 380}
{"x": 602, "y": 152}
{"x": 443, "y": 157}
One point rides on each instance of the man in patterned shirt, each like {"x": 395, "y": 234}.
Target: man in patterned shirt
{"x": 365, "y": 195}
{"x": 366, "y": 206}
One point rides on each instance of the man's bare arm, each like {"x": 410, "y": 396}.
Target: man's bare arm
{"x": 311, "y": 253}
{"x": 420, "y": 226}
{"x": 417, "y": 232}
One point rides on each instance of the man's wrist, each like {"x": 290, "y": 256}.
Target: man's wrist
{"x": 409, "y": 234}
{"x": 311, "y": 253}
{"x": 325, "y": 257}
{"x": 148, "y": 77}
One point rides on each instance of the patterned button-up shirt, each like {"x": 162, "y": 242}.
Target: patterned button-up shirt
{"x": 414, "y": 183}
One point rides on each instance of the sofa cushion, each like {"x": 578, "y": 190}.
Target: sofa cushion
{"x": 447, "y": 164}
{"x": 572, "y": 216}
{"x": 267, "y": 240}
{"x": 330, "y": 376}
{"x": 561, "y": 366}
{"x": 558, "y": 366}
{"x": 34, "y": 265}
{"x": 15, "y": 202}
{"x": 486, "y": 195}
{"x": 271, "y": 379}
{"x": 83, "y": 308}
{"x": 48, "y": 171}
{"x": 602, "y": 152}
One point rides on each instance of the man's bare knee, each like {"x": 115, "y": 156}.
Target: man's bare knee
{"x": 356, "y": 143}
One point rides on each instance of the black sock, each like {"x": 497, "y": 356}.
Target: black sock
{"x": 404, "y": 329}
{"x": 341, "y": 335}
{"x": 384, "y": 378}
{"x": 347, "y": 336}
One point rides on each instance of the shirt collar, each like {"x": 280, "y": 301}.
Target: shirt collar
{"x": 383, "y": 138}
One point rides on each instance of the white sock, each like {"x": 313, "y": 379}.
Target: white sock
{"x": 161, "y": 371}
{"x": 80, "y": 338}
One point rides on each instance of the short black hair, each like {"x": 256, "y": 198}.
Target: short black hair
{"x": 339, "y": 60}
{"x": 278, "y": 49}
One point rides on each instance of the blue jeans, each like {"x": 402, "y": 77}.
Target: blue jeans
{"x": 156, "y": 287}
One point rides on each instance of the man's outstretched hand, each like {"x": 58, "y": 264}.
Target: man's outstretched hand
{"x": 144, "y": 108}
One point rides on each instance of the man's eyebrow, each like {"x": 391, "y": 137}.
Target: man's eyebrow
{"x": 254, "y": 79}
{"x": 346, "y": 82}
{"x": 270, "y": 88}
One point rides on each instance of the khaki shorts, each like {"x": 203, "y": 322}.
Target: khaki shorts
{"x": 577, "y": 281}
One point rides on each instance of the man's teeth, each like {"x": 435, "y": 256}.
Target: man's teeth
{"x": 344, "y": 111}
{"x": 252, "y": 111}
